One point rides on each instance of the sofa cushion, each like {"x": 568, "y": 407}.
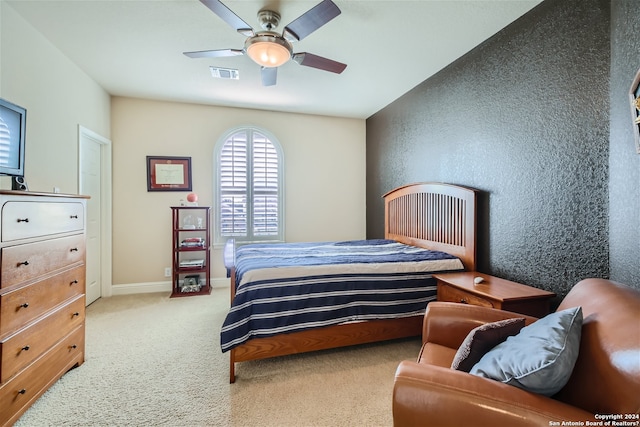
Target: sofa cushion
{"x": 436, "y": 354}
{"x": 540, "y": 358}
{"x": 482, "y": 339}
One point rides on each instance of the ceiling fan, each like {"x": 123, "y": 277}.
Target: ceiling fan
{"x": 270, "y": 49}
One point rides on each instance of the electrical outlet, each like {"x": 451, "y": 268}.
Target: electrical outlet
{"x": 167, "y": 272}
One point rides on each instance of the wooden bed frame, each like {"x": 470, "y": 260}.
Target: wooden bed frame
{"x": 430, "y": 215}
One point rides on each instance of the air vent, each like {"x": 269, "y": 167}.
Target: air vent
{"x": 225, "y": 73}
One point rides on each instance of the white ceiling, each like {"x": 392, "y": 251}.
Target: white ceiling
{"x": 134, "y": 48}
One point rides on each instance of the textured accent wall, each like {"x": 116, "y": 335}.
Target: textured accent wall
{"x": 524, "y": 118}
{"x": 624, "y": 162}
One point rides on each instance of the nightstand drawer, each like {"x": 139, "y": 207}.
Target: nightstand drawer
{"x": 472, "y": 287}
{"x": 451, "y": 294}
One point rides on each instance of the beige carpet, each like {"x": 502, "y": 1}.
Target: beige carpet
{"x": 152, "y": 360}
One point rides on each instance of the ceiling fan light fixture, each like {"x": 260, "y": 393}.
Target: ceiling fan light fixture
{"x": 268, "y": 50}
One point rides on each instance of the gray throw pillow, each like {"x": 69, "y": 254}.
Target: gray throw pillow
{"x": 540, "y": 358}
{"x": 482, "y": 339}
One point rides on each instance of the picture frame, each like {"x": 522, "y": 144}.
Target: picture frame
{"x": 167, "y": 173}
{"x": 634, "y": 99}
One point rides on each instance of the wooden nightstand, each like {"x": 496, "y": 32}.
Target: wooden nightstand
{"x": 493, "y": 292}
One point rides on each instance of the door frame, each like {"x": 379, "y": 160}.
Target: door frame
{"x": 105, "y": 207}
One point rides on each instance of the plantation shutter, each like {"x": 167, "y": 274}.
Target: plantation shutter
{"x": 249, "y": 187}
{"x": 265, "y": 187}
{"x": 233, "y": 186}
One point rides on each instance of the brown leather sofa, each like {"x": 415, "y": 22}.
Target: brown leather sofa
{"x": 604, "y": 385}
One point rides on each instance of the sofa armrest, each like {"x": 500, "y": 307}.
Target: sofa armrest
{"x": 437, "y": 396}
{"x": 448, "y": 323}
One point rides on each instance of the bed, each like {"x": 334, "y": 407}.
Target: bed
{"x": 440, "y": 218}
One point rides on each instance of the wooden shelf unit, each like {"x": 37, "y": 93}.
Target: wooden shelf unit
{"x": 191, "y": 225}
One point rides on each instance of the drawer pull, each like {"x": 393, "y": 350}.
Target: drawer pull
{"x": 22, "y": 391}
{"x": 25, "y": 305}
{"x": 25, "y": 348}
{"x": 73, "y": 250}
{"x": 74, "y": 217}
{"x": 23, "y": 263}
{"x": 74, "y": 282}
{"x": 75, "y": 314}
{"x": 463, "y": 301}
{"x": 23, "y": 219}
{"x": 73, "y": 346}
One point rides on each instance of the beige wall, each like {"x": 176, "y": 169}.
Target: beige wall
{"x": 324, "y": 176}
{"x": 58, "y": 97}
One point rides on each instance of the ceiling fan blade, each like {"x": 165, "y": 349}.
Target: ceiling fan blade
{"x": 214, "y": 53}
{"x": 228, "y": 16}
{"x": 315, "y": 61}
{"x": 311, "y": 20}
{"x": 269, "y": 75}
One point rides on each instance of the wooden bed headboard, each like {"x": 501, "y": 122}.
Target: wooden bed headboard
{"x": 435, "y": 216}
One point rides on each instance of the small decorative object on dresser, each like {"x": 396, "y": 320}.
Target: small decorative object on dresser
{"x": 191, "y": 251}
{"x": 42, "y": 299}
{"x": 464, "y": 287}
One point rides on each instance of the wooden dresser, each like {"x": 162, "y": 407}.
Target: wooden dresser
{"x": 42, "y": 300}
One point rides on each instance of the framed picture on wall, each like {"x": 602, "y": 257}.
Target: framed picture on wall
{"x": 166, "y": 173}
{"x": 634, "y": 98}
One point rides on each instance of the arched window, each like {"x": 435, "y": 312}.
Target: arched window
{"x": 248, "y": 186}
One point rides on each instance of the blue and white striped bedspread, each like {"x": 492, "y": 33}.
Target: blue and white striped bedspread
{"x": 291, "y": 287}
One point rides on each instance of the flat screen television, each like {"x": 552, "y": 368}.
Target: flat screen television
{"x": 13, "y": 126}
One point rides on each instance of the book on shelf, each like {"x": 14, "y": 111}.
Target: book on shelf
{"x": 193, "y": 239}
{"x": 191, "y": 263}
{"x": 193, "y": 242}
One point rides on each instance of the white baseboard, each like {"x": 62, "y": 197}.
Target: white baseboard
{"x": 149, "y": 287}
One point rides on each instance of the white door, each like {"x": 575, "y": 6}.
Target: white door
{"x": 92, "y": 176}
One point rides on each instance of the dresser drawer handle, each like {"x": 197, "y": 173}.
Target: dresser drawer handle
{"x": 23, "y": 219}
{"x": 25, "y": 348}
{"x": 74, "y": 282}
{"x": 22, "y": 391}
{"x": 23, "y": 263}
{"x": 463, "y": 301}
{"x": 25, "y": 305}
{"x": 73, "y": 346}
{"x": 73, "y": 250}
{"x": 75, "y": 314}
{"x": 74, "y": 217}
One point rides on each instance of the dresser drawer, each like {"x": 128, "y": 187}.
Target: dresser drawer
{"x": 27, "y": 219}
{"x": 23, "y": 305}
{"x": 451, "y": 294}
{"x": 20, "y": 349}
{"x": 17, "y": 394}
{"x": 21, "y": 263}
